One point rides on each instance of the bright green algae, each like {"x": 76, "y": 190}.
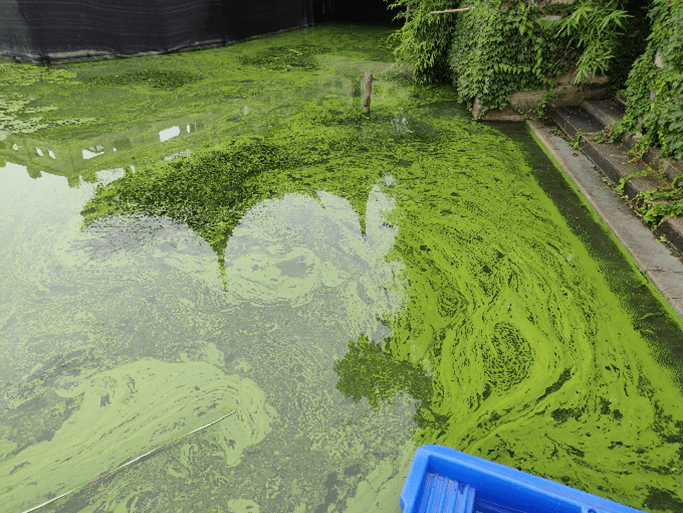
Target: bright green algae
{"x": 388, "y": 279}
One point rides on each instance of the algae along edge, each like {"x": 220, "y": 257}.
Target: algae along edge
{"x": 635, "y": 290}
{"x": 250, "y": 189}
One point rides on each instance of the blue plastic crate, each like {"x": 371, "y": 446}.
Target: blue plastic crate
{"x": 450, "y": 481}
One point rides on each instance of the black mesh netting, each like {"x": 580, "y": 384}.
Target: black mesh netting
{"x": 52, "y": 30}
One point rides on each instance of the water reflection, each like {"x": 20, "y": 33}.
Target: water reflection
{"x": 400, "y": 123}
{"x": 284, "y": 249}
{"x": 73, "y": 158}
{"x": 106, "y": 176}
{"x": 169, "y": 133}
{"x": 132, "y": 330}
{"x": 183, "y": 153}
{"x": 92, "y": 152}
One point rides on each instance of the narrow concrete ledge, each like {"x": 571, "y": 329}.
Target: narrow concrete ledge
{"x": 656, "y": 261}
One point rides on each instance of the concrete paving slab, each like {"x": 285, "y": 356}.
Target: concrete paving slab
{"x": 654, "y": 259}
{"x": 662, "y": 280}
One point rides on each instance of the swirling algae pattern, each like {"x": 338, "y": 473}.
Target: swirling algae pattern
{"x": 536, "y": 363}
{"x": 128, "y": 411}
{"x": 466, "y": 271}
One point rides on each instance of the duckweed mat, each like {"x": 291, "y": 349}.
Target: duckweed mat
{"x": 353, "y": 284}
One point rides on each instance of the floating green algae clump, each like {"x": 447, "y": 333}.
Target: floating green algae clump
{"x": 16, "y": 117}
{"x": 367, "y": 371}
{"x": 16, "y": 74}
{"x": 158, "y": 79}
{"x": 286, "y": 58}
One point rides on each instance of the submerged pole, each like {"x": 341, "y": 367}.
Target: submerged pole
{"x": 368, "y": 91}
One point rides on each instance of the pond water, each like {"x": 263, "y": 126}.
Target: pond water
{"x": 188, "y": 235}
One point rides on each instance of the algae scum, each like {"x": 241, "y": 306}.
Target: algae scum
{"x": 352, "y": 284}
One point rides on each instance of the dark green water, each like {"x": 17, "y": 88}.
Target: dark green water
{"x": 353, "y": 285}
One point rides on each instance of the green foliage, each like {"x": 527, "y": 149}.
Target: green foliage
{"x": 660, "y": 119}
{"x": 576, "y": 142}
{"x": 606, "y": 135}
{"x": 656, "y": 205}
{"x": 540, "y": 109}
{"x": 621, "y": 188}
{"x": 286, "y": 58}
{"x": 424, "y": 39}
{"x": 658, "y": 211}
{"x": 597, "y": 28}
{"x": 659, "y": 204}
{"x": 499, "y": 49}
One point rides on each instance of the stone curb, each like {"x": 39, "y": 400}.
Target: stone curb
{"x": 655, "y": 260}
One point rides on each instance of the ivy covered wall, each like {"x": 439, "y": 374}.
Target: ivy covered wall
{"x": 424, "y": 39}
{"x": 655, "y": 83}
{"x": 497, "y": 48}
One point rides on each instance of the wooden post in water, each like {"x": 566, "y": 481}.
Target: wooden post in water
{"x": 368, "y": 91}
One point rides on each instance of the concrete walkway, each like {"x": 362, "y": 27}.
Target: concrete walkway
{"x": 655, "y": 260}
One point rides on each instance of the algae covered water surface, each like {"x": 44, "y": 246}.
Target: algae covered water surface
{"x": 352, "y": 284}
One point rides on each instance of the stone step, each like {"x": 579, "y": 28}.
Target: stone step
{"x": 605, "y": 112}
{"x": 580, "y": 125}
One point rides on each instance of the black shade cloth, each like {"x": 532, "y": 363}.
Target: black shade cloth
{"x": 53, "y": 30}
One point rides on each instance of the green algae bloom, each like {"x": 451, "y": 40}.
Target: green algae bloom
{"x": 354, "y": 284}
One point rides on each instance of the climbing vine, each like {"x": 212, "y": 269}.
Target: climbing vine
{"x": 500, "y": 48}
{"x": 657, "y": 205}
{"x": 655, "y": 83}
{"x": 424, "y": 39}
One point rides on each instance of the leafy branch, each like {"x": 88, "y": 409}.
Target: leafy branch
{"x": 596, "y": 28}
